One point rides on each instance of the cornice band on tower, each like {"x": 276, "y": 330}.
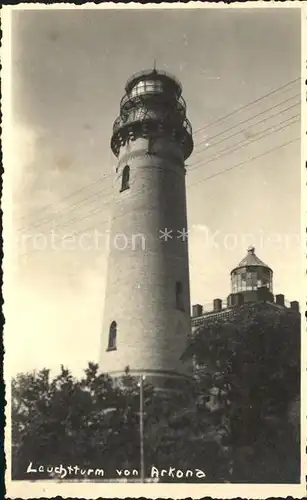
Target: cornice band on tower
{"x": 122, "y": 133}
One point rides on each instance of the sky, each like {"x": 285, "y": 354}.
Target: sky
{"x": 69, "y": 70}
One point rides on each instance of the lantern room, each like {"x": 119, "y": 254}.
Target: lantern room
{"x": 251, "y": 274}
{"x": 251, "y": 281}
{"x": 152, "y": 107}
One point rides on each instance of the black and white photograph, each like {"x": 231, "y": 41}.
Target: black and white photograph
{"x": 154, "y": 250}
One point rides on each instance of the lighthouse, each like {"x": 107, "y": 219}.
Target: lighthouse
{"x": 146, "y": 321}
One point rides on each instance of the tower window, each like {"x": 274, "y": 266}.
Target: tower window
{"x": 179, "y": 296}
{"x": 125, "y": 178}
{"x": 112, "y": 336}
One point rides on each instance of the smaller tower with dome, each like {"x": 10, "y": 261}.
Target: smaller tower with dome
{"x": 251, "y": 281}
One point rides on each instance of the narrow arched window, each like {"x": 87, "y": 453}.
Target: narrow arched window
{"x": 125, "y": 178}
{"x": 179, "y": 296}
{"x": 112, "y": 336}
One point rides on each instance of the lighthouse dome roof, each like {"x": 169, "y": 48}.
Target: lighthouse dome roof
{"x": 251, "y": 259}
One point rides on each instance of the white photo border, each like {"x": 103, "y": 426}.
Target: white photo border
{"x": 50, "y": 489}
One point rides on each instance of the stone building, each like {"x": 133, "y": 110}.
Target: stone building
{"x": 147, "y": 306}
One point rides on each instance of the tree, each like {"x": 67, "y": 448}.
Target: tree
{"x": 68, "y": 421}
{"x": 95, "y": 423}
{"x": 252, "y": 364}
{"x": 180, "y": 434}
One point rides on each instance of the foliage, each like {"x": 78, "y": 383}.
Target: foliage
{"x": 95, "y": 423}
{"x": 252, "y": 364}
{"x": 179, "y": 434}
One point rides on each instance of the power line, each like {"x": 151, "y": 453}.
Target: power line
{"x": 100, "y": 192}
{"x": 93, "y": 196}
{"x": 97, "y": 210}
{"x": 229, "y": 150}
{"x": 247, "y": 120}
{"x": 68, "y": 196}
{"x": 43, "y": 221}
{"x": 224, "y": 171}
{"x": 97, "y": 194}
{"x": 237, "y": 165}
{"x": 213, "y": 175}
{"x": 247, "y": 128}
{"x": 247, "y": 105}
{"x": 85, "y": 216}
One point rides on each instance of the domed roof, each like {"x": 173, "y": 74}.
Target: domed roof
{"x": 251, "y": 259}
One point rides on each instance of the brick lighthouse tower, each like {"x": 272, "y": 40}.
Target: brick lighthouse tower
{"x": 147, "y": 306}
